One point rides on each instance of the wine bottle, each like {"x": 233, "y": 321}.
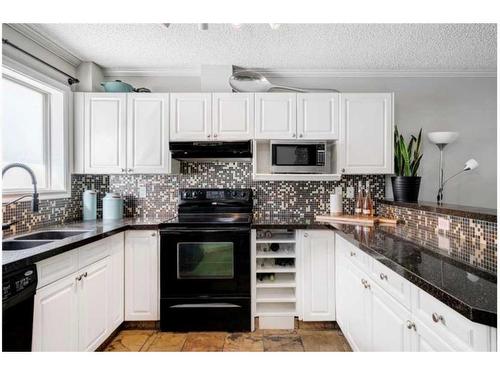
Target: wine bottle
{"x": 358, "y": 208}
{"x": 368, "y": 203}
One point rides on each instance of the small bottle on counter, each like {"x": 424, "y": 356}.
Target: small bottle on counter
{"x": 368, "y": 203}
{"x": 358, "y": 208}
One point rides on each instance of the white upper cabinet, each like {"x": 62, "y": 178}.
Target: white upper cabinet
{"x": 104, "y": 133}
{"x": 318, "y": 252}
{"x": 190, "y": 116}
{"x": 276, "y": 116}
{"x": 366, "y": 134}
{"x": 233, "y": 116}
{"x": 147, "y": 133}
{"x": 318, "y": 116}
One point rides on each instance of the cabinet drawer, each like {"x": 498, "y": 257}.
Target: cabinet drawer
{"x": 455, "y": 329}
{"x": 56, "y": 267}
{"x": 353, "y": 253}
{"x": 392, "y": 283}
{"x": 93, "y": 252}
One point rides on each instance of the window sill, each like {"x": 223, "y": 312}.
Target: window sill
{"x": 44, "y": 195}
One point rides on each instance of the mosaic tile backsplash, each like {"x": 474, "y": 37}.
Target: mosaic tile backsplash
{"x": 155, "y": 196}
{"x": 271, "y": 198}
{"x": 55, "y": 211}
{"x": 468, "y": 240}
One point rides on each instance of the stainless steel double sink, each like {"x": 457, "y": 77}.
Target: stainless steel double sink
{"x": 39, "y": 238}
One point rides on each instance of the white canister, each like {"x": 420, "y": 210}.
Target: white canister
{"x": 112, "y": 207}
{"x": 336, "y": 202}
{"x": 89, "y": 205}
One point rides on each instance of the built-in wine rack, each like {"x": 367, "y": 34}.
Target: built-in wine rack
{"x": 275, "y": 264}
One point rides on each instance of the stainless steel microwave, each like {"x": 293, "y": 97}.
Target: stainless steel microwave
{"x": 300, "y": 157}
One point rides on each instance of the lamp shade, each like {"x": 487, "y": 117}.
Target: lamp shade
{"x": 470, "y": 165}
{"x": 442, "y": 138}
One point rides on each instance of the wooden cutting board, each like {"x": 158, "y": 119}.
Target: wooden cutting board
{"x": 356, "y": 219}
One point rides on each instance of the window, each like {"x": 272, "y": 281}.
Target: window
{"x": 34, "y": 132}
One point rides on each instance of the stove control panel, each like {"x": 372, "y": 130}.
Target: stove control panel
{"x": 216, "y": 195}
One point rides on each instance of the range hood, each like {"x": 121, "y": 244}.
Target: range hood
{"x": 211, "y": 151}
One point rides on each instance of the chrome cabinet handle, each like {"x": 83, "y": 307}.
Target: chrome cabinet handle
{"x": 437, "y": 318}
{"x": 383, "y": 276}
{"x": 301, "y": 135}
{"x": 343, "y": 170}
{"x": 130, "y": 170}
{"x": 123, "y": 169}
{"x": 153, "y": 234}
{"x": 208, "y": 136}
{"x": 411, "y": 325}
{"x": 365, "y": 284}
{"x": 353, "y": 254}
{"x": 293, "y": 135}
{"x": 306, "y": 235}
{"x": 215, "y": 135}
{"x": 79, "y": 277}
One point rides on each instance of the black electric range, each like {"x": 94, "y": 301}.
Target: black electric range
{"x": 205, "y": 262}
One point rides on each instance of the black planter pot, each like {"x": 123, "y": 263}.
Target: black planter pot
{"x": 405, "y": 188}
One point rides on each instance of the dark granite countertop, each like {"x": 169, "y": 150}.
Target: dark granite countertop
{"x": 466, "y": 289}
{"x": 477, "y": 213}
{"x": 97, "y": 230}
{"x": 287, "y": 223}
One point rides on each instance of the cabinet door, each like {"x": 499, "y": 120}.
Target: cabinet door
{"x": 94, "y": 298}
{"x": 105, "y": 128}
{"x": 318, "y": 116}
{"x": 141, "y": 275}
{"x": 425, "y": 340}
{"x": 233, "y": 116}
{"x": 318, "y": 269}
{"x": 191, "y": 117}
{"x": 116, "y": 297}
{"x": 366, "y": 139}
{"x": 388, "y": 322}
{"x": 147, "y": 133}
{"x": 359, "y": 308}
{"x": 55, "y": 318}
{"x": 276, "y": 116}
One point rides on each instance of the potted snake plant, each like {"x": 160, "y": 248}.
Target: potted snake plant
{"x": 407, "y": 157}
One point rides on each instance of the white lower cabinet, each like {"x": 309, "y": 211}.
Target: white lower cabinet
{"x": 116, "y": 297}
{"x": 318, "y": 268}
{"x": 374, "y": 315}
{"x": 94, "y": 302}
{"x": 55, "y": 316}
{"x": 78, "y": 312}
{"x": 388, "y": 322}
{"x": 141, "y": 275}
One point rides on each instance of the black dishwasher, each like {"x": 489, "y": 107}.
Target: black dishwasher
{"x": 18, "y": 296}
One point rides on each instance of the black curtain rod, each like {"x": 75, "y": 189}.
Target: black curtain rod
{"x": 71, "y": 80}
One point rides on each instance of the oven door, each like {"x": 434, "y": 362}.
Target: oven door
{"x": 298, "y": 157}
{"x": 205, "y": 262}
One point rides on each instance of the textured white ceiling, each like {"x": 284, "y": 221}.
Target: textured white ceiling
{"x": 292, "y": 46}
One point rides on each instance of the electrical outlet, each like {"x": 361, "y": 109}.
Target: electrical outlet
{"x": 142, "y": 192}
{"x": 443, "y": 242}
{"x": 443, "y": 224}
{"x": 349, "y": 192}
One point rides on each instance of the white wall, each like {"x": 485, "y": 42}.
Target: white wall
{"x": 466, "y": 105}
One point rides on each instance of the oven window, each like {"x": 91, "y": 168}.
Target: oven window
{"x": 205, "y": 260}
{"x": 294, "y": 155}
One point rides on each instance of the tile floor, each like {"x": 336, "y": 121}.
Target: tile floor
{"x": 298, "y": 340}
